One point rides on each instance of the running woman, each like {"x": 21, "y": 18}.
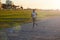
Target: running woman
{"x": 34, "y": 15}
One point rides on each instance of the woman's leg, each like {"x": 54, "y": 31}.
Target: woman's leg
{"x": 33, "y": 22}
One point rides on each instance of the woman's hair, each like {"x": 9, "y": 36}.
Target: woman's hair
{"x": 33, "y": 10}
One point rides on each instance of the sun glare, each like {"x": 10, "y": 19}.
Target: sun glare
{"x": 40, "y": 4}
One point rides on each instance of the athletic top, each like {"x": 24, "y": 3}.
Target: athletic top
{"x": 34, "y": 14}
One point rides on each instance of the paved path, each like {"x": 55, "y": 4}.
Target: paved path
{"x": 47, "y": 29}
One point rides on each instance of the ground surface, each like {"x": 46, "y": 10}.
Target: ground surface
{"x": 47, "y": 29}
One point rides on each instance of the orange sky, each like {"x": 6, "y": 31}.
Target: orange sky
{"x": 40, "y": 4}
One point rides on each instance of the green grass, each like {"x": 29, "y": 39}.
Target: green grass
{"x": 15, "y": 13}
{"x": 47, "y": 14}
{"x": 10, "y": 18}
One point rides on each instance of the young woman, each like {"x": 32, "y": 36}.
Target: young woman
{"x": 34, "y": 15}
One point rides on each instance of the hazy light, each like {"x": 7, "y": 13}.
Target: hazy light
{"x": 40, "y": 4}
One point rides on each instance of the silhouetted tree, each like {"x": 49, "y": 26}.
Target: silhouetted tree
{"x": 0, "y": 5}
{"x": 21, "y": 7}
{"x": 9, "y": 4}
{"x": 4, "y": 6}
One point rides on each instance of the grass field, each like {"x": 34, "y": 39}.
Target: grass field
{"x": 13, "y": 17}
{"x": 15, "y": 13}
{"x": 42, "y": 14}
{"x": 9, "y": 18}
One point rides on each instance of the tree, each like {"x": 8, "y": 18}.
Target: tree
{"x": 0, "y": 4}
{"x": 21, "y": 7}
{"x": 9, "y": 4}
{"x": 4, "y": 6}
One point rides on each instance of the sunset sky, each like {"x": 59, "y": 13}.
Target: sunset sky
{"x": 40, "y": 4}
